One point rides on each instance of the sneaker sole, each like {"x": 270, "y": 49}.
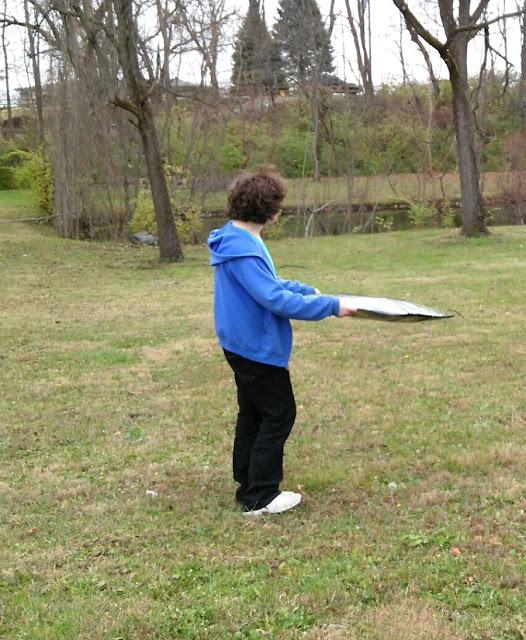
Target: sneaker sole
{"x": 264, "y": 510}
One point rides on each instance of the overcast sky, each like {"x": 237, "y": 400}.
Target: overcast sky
{"x": 385, "y": 19}
{"x": 386, "y": 43}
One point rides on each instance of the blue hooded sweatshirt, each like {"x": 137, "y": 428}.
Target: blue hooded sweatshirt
{"x": 252, "y": 305}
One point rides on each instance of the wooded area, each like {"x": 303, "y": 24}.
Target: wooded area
{"x": 110, "y": 138}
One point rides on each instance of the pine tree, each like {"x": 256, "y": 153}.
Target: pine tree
{"x": 302, "y": 40}
{"x": 256, "y": 59}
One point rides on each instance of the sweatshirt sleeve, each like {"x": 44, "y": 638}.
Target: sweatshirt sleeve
{"x": 266, "y": 289}
{"x": 297, "y": 287}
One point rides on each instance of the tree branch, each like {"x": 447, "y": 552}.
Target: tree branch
{"x": 126, "y": 105}
{"x": 55, "y": 215}
{"x": 479, "y": 11}
{"x": 419, "y": 28}
{"x": 482, "y": 25}
{"x": 18, "y": 23}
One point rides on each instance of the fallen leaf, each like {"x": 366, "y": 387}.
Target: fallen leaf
{"x": 455, "y": 550}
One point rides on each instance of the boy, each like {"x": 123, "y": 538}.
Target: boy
{"x": 252, "y": 308}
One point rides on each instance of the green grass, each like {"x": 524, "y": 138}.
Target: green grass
{"x": 375, "y": 190}
{"x": 15, "y": 204}
{"x": 112, "y": 385}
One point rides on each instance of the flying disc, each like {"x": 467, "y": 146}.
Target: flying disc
{"x": 390, "y": 309}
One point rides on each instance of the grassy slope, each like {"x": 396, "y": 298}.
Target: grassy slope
{"x": 112, "y": 384}
{"x": 378, "y": 190}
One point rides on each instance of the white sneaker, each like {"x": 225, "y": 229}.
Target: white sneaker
{"x": 283, "y": 502}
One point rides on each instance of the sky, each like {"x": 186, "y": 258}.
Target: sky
{"x": 385, "y": 19}
{"x": 386, "y": 64}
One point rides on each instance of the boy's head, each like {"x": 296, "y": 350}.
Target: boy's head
{"x": 256, "y": 197}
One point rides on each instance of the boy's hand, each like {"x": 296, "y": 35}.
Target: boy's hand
{"x": 346, "y": 309}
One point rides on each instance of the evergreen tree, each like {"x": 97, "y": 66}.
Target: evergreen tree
{"x": 256, "y": 60}
{"x": 302, "y": 40}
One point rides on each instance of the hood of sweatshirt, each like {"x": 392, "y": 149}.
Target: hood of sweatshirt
{"x": 230, "y": 242}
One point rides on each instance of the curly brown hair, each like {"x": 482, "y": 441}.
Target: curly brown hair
{"x": 256, "y": 197}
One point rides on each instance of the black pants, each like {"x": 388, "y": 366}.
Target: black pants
{"x": 267, "y": 411}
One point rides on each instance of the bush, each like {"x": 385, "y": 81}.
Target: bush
{"x": 187, "y": 218}
{"x": 421, "y": 214}
{"x": 231, "y": 158}
{"x": 295, "y": 157}
{"x": 6, "y": 178}
{"x": 34, "y": 171}
{"x": 31, "y": 170}
{"x": 13, "y": 172}
{"x": 276, "y": 230}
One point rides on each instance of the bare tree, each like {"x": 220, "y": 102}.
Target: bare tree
{"x": 203, "y": 22}
{"x": 70, "y": 163}
{"x": 425, "y": 54}
{"x": 522, "y": 87}
{"x": 459, "y": 30}
{"x": 6, "y": 69}
{"x": 106, "y": 36}
{"x": 318, "y": 100}
{"x": 139, "y": 103}
{"x": 359, "y": 19}
{"x": 34, "y": 37}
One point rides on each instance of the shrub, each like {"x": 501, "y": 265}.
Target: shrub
{"x": 421, "y": 213}
{"x": 14, "y": 170}
{"x": 36, "y": 173}
{"x": 447, "y": 217}
{"x": 276, "y": 230}
{"x": 187, "y": 218}
{"x": 295, "y": 156}
{"x": 6, "y": 178}
{"x": 424, "y": 214}
{"x": 231, "y": 158}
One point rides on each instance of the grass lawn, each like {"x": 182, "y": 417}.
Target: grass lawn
{"x": 15, "y": 204}
{"x": 378, "y": 190}
{"x": 112, "y": 385}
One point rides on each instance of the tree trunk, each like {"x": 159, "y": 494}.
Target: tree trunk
{"x": 454, "y": 51}
{"x": 362, "y": 43}
{"x": 473, "y": 214}
{"x": 6, "y": 72}
{"x": 318, "y": 110}
{"x": 522, "y": 87}
{"x": 318, "y": 127}
{"x": 35, "y": 63}
{"x": 170, "y": 248}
